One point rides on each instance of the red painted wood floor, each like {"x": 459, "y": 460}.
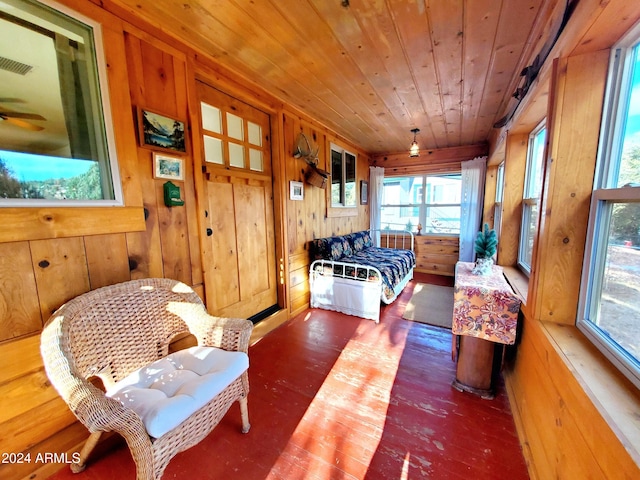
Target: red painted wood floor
{"x": 338, "y": 397}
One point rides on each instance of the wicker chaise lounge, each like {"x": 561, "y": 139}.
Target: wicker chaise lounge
{"x": 160, "y": 403}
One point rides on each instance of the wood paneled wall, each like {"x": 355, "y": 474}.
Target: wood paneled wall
{"x": 48, "y": 256}
{"x": 562, "y": 428}
{"x": 437, "y": 254}
{"x": 573, "y": 145}
{"x": 307, "y": 219}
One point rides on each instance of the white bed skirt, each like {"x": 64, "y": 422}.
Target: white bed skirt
{"x": 352, "y": 297}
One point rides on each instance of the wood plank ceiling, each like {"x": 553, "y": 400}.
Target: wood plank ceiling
{"x": 372, "y": 70}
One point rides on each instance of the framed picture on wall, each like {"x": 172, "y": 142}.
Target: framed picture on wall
{"x": 160, "y": 132}
{"x": 364, "y": 192}
{"x": 296, "y": 190}
{"x": 165, "y": 166}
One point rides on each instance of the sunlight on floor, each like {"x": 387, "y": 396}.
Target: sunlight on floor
{"x": 404, "y": 475}
{"x": 352, "y": 427}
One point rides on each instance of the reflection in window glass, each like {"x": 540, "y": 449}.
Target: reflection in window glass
{"x": 53, "y": 133}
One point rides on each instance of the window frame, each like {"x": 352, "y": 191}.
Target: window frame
{"x": 249, "y": 121}
{"x": 110, "y": 163}
{"x": 530, "y": 198}
{"x": 606, "y": 194}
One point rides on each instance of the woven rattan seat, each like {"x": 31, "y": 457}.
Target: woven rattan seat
{"x": 113, "y": 331}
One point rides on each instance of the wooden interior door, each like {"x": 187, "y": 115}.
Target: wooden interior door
{"x": 239, "y": 258}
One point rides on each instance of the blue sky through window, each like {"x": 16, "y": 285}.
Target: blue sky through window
{"x": 26, "y": 167}
{"x": 632, "y": 129}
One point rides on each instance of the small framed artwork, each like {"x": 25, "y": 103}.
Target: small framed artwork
{"x": 296, "y": 190}
{"x": 160, "y": 132}
{"x": 165, "y": 166}
{"x": 364, "y": 192}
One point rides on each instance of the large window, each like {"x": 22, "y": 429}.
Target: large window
{"x": 609, "y": 312}
{"x": 531, "y": 196}
{"x": 55, "y": 136}
{"x": 433, "y": 201}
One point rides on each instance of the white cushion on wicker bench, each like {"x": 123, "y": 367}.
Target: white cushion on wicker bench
{"x": 167, "y": 391}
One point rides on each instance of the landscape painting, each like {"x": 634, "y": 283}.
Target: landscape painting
{"x": 161, "y": 132}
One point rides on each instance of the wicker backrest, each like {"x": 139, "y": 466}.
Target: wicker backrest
{"x": 114, "y": 330}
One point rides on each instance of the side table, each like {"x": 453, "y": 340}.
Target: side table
{"x": 485, "y": 312}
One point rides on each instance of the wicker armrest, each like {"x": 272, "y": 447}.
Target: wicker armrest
{"x": 101, "y": 413}
{"x": 94, "y": 409}
{"x": 226, "y": 333}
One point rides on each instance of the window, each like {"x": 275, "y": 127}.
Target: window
{"x": 531, "y": 196}
{"x": 343, "y": 177}
{"x": 609, "y": 312}
{"x": 55, "y": 129}
{"x": 432, "y": 201}
{"x": 497, "y": 212}
{"x": 240, "y": 137}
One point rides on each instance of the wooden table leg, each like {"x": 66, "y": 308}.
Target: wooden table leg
{"x": 475, "y": 366}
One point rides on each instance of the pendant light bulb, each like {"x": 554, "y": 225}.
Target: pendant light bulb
{"x": 414, "y": 150}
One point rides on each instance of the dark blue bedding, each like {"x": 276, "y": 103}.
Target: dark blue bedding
{"x": 394, "y": 265}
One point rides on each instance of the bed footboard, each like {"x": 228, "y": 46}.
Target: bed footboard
{"x": 346, "y": 287}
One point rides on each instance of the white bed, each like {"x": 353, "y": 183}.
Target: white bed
{"x": 354, "y": 285}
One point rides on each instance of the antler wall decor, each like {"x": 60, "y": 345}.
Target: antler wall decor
{"x": 304, "y": 150}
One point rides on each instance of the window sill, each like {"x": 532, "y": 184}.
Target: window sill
{"x": 21, "y": 224}
{"x": 612, "y": 395}
{"x": 518, "y": 281}
{"x": 336, "y": 212}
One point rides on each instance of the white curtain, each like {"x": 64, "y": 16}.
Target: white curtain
{"x": 473, "y": 178}
{"x": 376, "y": 176}
{"x": 73, "y": 75}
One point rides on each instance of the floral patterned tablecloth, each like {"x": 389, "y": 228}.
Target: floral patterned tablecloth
{"x": 484, "y": 305}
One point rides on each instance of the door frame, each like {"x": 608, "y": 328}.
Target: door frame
{"x": 199, "y": 71}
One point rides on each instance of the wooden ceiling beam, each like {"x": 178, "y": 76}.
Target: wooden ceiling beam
{"x": 430, "y": 157}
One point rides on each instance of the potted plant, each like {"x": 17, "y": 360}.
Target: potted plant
{"x": 485, "y": 246}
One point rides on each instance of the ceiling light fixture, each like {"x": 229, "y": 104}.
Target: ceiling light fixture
{"x": 414, "y": 150}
